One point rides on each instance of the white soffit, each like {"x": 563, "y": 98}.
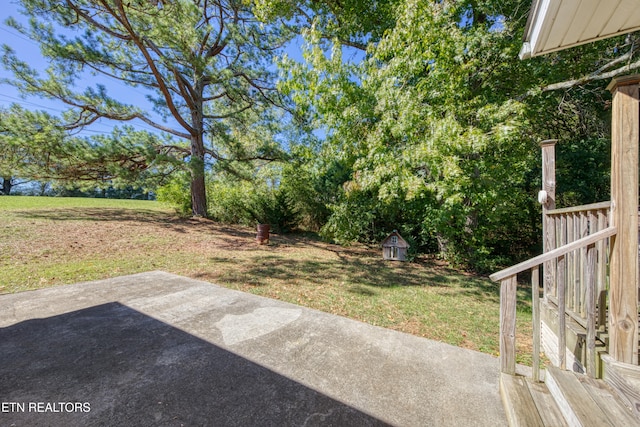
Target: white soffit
{"x": 559, "y": 24}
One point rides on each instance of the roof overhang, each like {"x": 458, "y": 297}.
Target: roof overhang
{"x": 559, "y": 24}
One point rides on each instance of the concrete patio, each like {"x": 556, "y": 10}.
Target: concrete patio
{"x": 155, "y": 349}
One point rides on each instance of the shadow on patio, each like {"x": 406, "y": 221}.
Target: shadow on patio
{"x": 132, "y": 369}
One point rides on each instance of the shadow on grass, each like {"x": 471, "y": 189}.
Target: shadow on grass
{"x": 142, "y": 216}
{"x": 359, "y": 268}
{"x": 360, "y": 275}
{"x": 97, "y": 214}
{"x": 362, "y": 290}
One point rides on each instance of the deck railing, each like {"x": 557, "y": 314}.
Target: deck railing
{"x": 594, "y": 247}
{"x": 565, "y": 226}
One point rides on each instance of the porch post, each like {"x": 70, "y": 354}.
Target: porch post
{"x": 548, "y": 203}
{"x": 623, "y": 294}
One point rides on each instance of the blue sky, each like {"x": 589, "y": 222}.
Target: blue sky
{"x": 29, "y": 51}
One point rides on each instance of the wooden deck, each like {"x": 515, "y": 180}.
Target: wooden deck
{"x": 564, "y": 399}
{"x": 590, "y": 273}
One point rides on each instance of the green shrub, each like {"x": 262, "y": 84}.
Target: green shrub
{"x": 228, "y": 201}
{"x": 251, "y": 203}
{"x": 176, "y": 193}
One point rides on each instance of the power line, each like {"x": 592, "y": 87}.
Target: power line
{"x": 24, "y": 102}
{"x": 123, "y": 85}
{"x": 20, "y": 36}
{"x": 111, "y": 81}
{"x": 105, "y": 125}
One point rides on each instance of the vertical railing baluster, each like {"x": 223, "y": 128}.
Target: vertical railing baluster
{"x": 570, "y": 261}
{"x": 559, "y": 240}
{"x": 561, "y": 292}
{"x": 590, "y": 274}
{"x": 535, "y": 307}
{"x": 581, "y": 294}
{"x": 601, "y": 285}
{"x": 562, "y": 338}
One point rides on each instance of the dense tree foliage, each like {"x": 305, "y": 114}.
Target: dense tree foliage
{"x": 406, "y": 114}
{"x": 427, "y": 128}
{"x": 436, "y": 130}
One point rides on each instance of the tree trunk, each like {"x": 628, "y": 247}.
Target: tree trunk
{"x": 198, "y": 196}
{"x": 6, "y": 185}
{"x": 44, "y": 186}
{"x": 444, "y": 246}
{"x": 198, "y": 189}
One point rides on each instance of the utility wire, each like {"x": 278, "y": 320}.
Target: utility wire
{"x": 5, "y": 28}
{"x": 24, "y": 102}
{"x": 104, "y": 125}
{"x": 20, "y": 36}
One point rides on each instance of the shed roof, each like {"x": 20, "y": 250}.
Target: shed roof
{"x": 400, "y": 244}
{"x": 559, "y": 24}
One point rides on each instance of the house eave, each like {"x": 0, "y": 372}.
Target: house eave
{"x": 555, "y": 25}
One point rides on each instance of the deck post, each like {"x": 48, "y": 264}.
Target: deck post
{"x": 623, "y": 295}
{"x": 508, "y": 298}
{"x": 548, "y": 229}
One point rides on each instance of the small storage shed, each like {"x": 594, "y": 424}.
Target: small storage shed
{"x": 394, "y": 247}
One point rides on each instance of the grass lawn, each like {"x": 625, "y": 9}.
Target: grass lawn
{"x": 55, "y": 241}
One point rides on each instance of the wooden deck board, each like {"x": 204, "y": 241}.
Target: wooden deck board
{"x": 611, "y": 406}
{"x": 625, "y": 380}
{"x": 518, "y": 402}
{"x": 576, "y": 404}
{"x": 565, "y": 399}
{"x": 547, "y": 407}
